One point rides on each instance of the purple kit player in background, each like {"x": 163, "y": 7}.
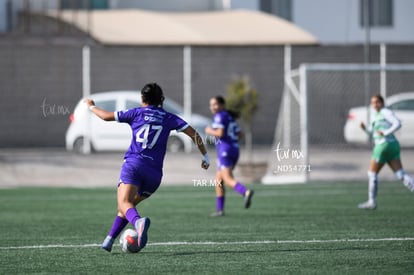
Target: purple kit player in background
{"x": 226, "y": 130}
{"x": 141, "y": 172}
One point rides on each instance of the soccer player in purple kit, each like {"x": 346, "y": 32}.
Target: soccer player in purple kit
{"x": 141, "y": 171}
{"x": 227, "y": 132}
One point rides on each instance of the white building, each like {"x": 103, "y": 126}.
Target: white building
{"x": 331, "y": 21}
{"x": 342, "y": 21}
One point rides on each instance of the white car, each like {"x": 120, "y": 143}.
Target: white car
{"x": 403, "y": 106}
{"x": 114, "y": 136}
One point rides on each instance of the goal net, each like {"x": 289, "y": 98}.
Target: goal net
{"x": 309, "y": 141}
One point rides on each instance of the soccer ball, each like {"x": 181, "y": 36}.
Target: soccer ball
{"x": 129, "y": 241}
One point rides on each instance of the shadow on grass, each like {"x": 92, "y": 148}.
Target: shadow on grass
{"x": 299, "y": 250}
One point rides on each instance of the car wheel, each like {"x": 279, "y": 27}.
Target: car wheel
{"x": 78, "y": 145}
{"x": 175, "y": 144}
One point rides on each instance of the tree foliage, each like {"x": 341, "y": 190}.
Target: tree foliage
{"x": 242, "y": 98}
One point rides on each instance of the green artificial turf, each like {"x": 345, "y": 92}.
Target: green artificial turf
{"x": 309, "y": 228}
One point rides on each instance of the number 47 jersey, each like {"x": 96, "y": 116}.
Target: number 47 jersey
{"x": 151, "y": 127}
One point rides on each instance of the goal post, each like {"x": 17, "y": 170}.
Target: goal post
{"x": 289, "y": 155}
{"x": 313, "y": 111}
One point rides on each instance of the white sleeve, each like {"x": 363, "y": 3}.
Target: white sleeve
{"x": 217, "y": 123}
{"x": 391, "y": 118}
{"x": 116, "y": 116}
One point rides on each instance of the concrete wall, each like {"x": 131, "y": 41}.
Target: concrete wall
{"x": 40, "y": 82}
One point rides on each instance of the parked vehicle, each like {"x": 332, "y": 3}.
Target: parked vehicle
{"x": 114, "y": 136}
{"x": 403, "y": 106}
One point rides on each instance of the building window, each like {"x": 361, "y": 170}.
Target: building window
{"x": 380, "y": 13}
{"x": 84, "y": 4}
{"x": 281, "y": 8}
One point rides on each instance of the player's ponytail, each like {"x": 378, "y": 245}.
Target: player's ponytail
{"x": 220, "y": 100}
{"x": 152, "y": 94}
{"x": 234, "y": 114}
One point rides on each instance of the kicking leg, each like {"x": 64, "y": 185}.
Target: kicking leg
{"x": 141, "y": 224}
{"x": 128, "y": 198}
{"x": 127, "y": 194}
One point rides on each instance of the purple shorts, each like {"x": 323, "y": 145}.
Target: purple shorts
{"x": 227, "y": 157}
{"x": 145, "y": 177}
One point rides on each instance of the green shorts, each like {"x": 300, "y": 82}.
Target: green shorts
{"x": 386, "y": 152}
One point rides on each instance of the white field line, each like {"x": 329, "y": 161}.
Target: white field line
{"x": 217, "y": 243}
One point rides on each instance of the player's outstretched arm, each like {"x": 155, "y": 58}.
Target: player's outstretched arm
{"x": 105, "y": 115}
{"x": 196, "y": 138}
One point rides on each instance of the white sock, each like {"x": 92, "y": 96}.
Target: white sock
{"x": 406, "y": 179}
{"x": 372, "y": 186}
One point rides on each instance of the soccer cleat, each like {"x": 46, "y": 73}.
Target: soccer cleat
{"x": 248, "y": 198}
{"x": 369, "y": 205}
{"x": 107, "y": 243}
{"x": 409, "y": 184}
{"x": 217, "y": 214}
{"x": 142, "y": 226}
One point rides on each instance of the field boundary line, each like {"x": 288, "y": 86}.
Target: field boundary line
{"x": 395, "y": 239}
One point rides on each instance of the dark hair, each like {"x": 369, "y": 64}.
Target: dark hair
{"x": 220, "y": 100}
{"x": 380, "y": 98}
{"x": 152, "y": 94}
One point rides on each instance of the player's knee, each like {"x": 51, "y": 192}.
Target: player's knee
{"x": 400, "y": 174}
{"x": 226, "y": 175}
{"x": 219, "y": 184}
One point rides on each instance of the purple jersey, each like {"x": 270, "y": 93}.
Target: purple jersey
{"x": 227, "y": 145}
{"x": 231, "y": 129}
{"x": 151, "y": 127}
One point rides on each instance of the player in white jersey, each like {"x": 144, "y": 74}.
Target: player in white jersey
{"x": 386, "y": 150}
